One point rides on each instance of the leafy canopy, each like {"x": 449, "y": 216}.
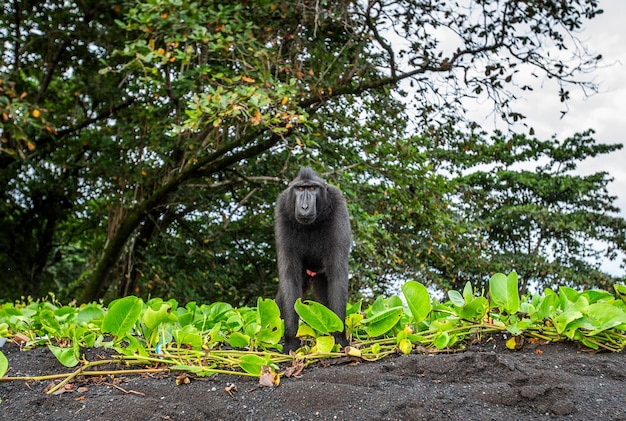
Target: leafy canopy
{"x": 142, "y": 144}
{"x": 216, "y": 338}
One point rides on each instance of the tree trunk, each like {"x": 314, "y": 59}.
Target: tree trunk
{"x": 136, "y": 256}
{"x": 219, "y": 160}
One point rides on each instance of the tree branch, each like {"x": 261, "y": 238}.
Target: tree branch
{"x": 219, "y": 160}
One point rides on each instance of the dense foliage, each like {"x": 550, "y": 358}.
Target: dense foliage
{"x": 524, "y": 206}
{"x": 216, "y": 338}
{"x": 143, "y": 143}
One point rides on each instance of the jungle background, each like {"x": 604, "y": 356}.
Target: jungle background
{"x": 143, "y": 144}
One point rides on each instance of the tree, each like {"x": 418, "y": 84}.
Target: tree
{"x": 529, "y": 211}
{"x": 139, "y": 139}
{"x": 51, "y": 100}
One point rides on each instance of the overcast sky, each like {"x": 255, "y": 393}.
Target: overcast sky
{"x": 605, "y": 112}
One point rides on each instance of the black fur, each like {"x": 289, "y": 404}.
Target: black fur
{"x": 313, "y": 240}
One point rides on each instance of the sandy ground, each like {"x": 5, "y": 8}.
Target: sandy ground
{"x": 485, "y": 382}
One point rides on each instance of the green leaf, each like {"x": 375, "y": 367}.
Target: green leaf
{"x": 134, "y": 347}
{"x": 66, "y": 356}
{"x": 238, "y": 340}
{"x": 305, "y": 330}
{"x": 211, "y": 314}
{"x": 375, "y": 349}
{"x": 234, "y": 322}
{"x": 606, "y": 316}
{"x": 269, "y": 322}
{"x": 567, "y": 296}
{"x": 325, "y": 344}
{"x": 519, "y": 327}
{"x": 548, "y": 304}
{"x": 4, "y": 364}
{"x": 184, "y": 316}
{"x": 621, "y": 291}
{"x": 381, "y": 323}
{"x": 90, "y": 312}
{"x": 562, "y": 320}
{"x": 504, "y": 292}
{"x": 383, "y": 303}
{"x": 456, "y": 298}
{"x": 589, "y": 343}
{"x": 573, "y": 330}
{"x": 354, "y": 308}
{"x": 89, "y": 339}
{"x": 354, "y": 320}
{"x": 405, "y": 346}
{"x": 468, "y": 292}
{"x": 318, "y": 316}
{"x": 49, "y": 322}
{"x": 441, "y": 340}
{"x": 251, "y": 329}
{"x": 596, "y": 295}
{"x": 122, "y": 315}
{"x": 252, "y": 364}
{"x": 188, "y": 368}
{"x": 573, "y": 316}
{"x": 156, "y": 314}
{"x": 188, "y": 336}
{"x": 418, "y": 300}
{"x": 475, "y": 309}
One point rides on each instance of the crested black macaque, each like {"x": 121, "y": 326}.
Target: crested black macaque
{"x": 313, "y": 240}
